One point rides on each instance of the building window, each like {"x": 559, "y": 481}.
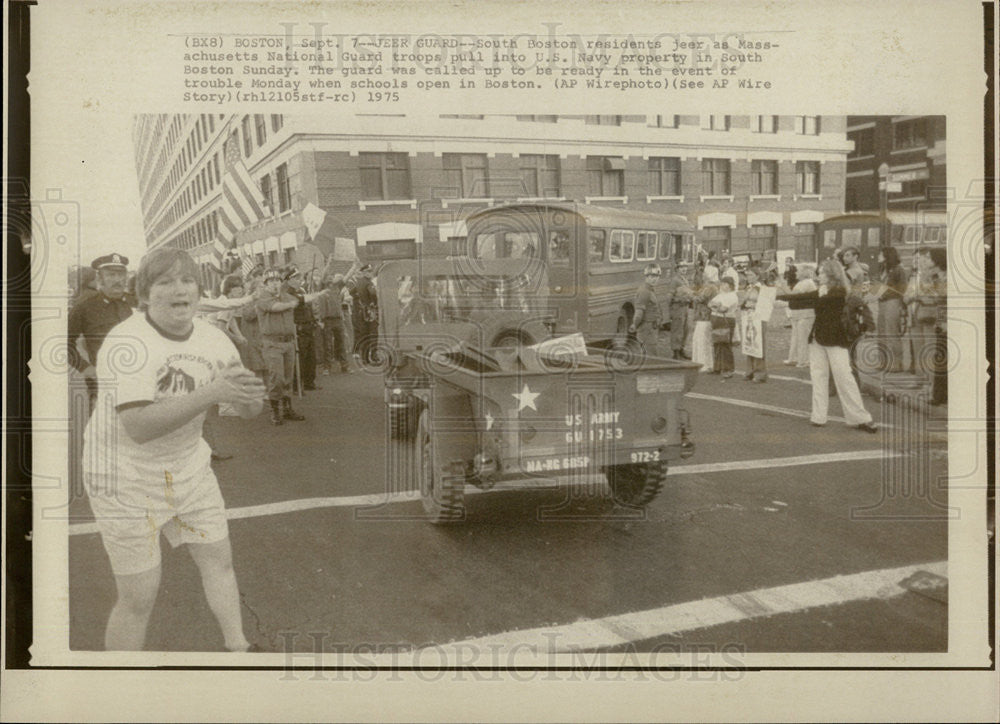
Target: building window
{"x": 807, "y": 177}
{"x": 466, "y": 174}
{"x": 716, "y": 123}
{"x": 763, "y": 178}
{"x": 215, "y": 163}
{"x": 716, "y": 238}
{"x": 605, "y": 175}
{"x": 277, "y": 121}
{"x": 664, "y": 176}
{"x": 540, "y": 174}
{"x": 765, "y": 124}
{"x": 763, "y": 238}
{"x": 715, "y": 176}
{"x": 602, "y": 120}
{"x": 807, "y": 125}
{"x": 261, "y": 125}
{"x": 911, "y": 190}
{"x": 909, "y": 134}
{"x": 384, "y": 175}
{"x": 864, "y": 142}
{"x": 211, "y": 124}
{"x": 666, "y": 121}
{"x": 247, "y": 140}
{"x": 284, "y": 189}
{"x": 267, "y": 192}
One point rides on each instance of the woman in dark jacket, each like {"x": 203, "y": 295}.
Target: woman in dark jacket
{"x": 828, "y": 349}
{"x": 890, "y": 307}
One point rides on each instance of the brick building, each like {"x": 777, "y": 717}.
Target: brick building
{"x": 913, "y": 148}
{"x": 748, "y": 183}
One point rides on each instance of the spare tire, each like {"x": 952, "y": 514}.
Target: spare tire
{"x": 506, "y": 329}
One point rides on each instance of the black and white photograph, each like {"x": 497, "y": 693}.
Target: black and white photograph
{"x": 343, "y": 369}
{"x": 707, "y": 338}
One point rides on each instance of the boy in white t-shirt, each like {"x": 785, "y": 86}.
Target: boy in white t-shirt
{"x": 146, "y": 465}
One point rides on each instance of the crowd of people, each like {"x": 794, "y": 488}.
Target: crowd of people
{"x": 712, "y": 306}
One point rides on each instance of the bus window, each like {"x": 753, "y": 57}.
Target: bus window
{"x": 559, "y": 248}
{"x": 932, "y": 234}
{"x": 667, "y": 249}
{"x": 830, "y": 239}
{"x": 645, "y": 247}
{"x": 874, "y": 237}
{"x": 687, "y": 253}
{"x": 911, "y": 234}
{"x": 897, "y": 234}
{"x": 596, "y": 241}
{"x": 851, "y": 237}
{"x": 622, "y": 245}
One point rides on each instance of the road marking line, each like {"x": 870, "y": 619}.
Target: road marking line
{"x": 610, "y": 631}
{"x": 758, "y": 406}
{"x": 356, "y": 501}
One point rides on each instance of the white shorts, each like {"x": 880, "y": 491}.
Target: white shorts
{"x": 130, "y": 516}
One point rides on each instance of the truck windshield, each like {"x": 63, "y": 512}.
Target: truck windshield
{"x": 455, "y": 297}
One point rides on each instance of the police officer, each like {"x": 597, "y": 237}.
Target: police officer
{"x": 276, "y": 316}
{"x": 93, "y": 316}
{"x": 646, "y": 320}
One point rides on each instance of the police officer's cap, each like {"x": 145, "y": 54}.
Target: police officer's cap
{"x": 652, "y": 269}
{"x": 110, "y": 261}
{"x": 272, "y": 274}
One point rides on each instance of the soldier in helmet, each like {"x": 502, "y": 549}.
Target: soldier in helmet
{"x": 647, "y": 317}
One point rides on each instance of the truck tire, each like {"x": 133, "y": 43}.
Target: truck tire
{"x": 636, "y": 485}
{"x": 443, "y": 496}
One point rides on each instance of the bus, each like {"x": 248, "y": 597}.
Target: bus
{"x": 907, "y": 230}
{"x": 593, "y": 256}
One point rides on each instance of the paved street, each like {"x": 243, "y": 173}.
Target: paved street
{"x": 774, "y": 536}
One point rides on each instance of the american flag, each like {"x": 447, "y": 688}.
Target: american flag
{"x": 242, "y": 202}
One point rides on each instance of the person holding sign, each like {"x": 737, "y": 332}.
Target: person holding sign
{"x": 754, "y": 342}
{"x": 723, "y": 306}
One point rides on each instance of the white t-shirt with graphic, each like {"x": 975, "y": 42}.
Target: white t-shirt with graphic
{"x": 141, "y": 364}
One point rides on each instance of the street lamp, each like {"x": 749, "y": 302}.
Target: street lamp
{"x": 883, "y": 201}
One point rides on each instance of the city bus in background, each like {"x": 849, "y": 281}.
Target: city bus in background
{"x": 593, "y": 256}
{"x": 906, "y": 231}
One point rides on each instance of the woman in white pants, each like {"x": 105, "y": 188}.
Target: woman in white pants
{"x": 828, "y": 350}
{"x": 802, "y": 320}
